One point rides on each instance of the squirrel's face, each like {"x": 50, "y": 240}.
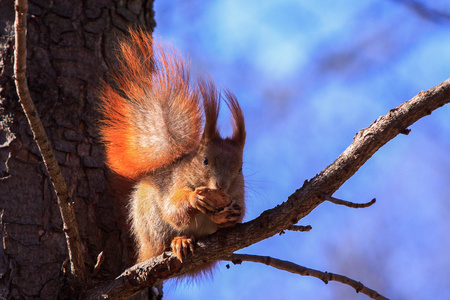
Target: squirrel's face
{"x": 219, "y": 163}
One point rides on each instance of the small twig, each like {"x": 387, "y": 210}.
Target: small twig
{"x": 304, "y": 271}
{"x": 66, "y": 208}
{"x": 348, "y": 203}
{"x": 406, "y": 131}
{"x": 98, "y": 264}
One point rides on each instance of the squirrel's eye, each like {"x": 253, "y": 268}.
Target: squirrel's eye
{"x": 205, "y": 161}
{"x": 240, "y": 170}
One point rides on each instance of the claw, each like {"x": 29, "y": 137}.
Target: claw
{"x": 182, "y": 246}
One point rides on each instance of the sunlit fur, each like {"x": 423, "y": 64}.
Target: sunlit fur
{"x": 151, "y": 114}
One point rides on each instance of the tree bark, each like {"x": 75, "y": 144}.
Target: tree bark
{"x": 70, "y": 48}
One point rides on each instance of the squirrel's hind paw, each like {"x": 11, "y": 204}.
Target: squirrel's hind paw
{"x": 182, "y": 246}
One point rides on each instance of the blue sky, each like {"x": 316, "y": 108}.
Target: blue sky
{"x": 309, "y": 75}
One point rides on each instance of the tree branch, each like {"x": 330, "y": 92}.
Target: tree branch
{"x": 59, "y": 184}
{"x": 304, "y": 271}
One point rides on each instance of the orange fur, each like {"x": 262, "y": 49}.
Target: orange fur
{"x": 151, "y": 85}
{"x": 188, "y": 179}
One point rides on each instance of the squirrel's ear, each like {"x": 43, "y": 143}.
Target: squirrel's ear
{"x": 237, "y": 122}
{"x": 211, "y": 107}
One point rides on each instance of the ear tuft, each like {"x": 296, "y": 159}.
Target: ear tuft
{"x": 237, "y": 122}
{"x": 211, "y": 106}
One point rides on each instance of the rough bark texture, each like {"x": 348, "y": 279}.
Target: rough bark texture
{"x": 70, "y": 48}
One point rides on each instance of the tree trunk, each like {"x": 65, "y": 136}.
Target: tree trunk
{"x": 70, "y": 47}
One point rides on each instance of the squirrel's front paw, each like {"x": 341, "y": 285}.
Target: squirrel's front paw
{"x": 182, "y": 246}
{"x": 210, "y": 201}
{"x": 228, "y": 216}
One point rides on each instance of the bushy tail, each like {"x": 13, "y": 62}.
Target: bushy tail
{"x": 151, "y": 115}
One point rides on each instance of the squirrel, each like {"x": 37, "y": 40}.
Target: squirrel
{"x": 161, "y": 132}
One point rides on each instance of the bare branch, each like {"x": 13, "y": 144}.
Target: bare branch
{"x": 304, "y": 271}
{"x": 348, "y": 203}
{"x": 66, "y": 209}
{"x": 223, "y": 243}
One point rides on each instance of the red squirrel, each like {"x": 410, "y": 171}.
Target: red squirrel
{"x": 161, "y": 131}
